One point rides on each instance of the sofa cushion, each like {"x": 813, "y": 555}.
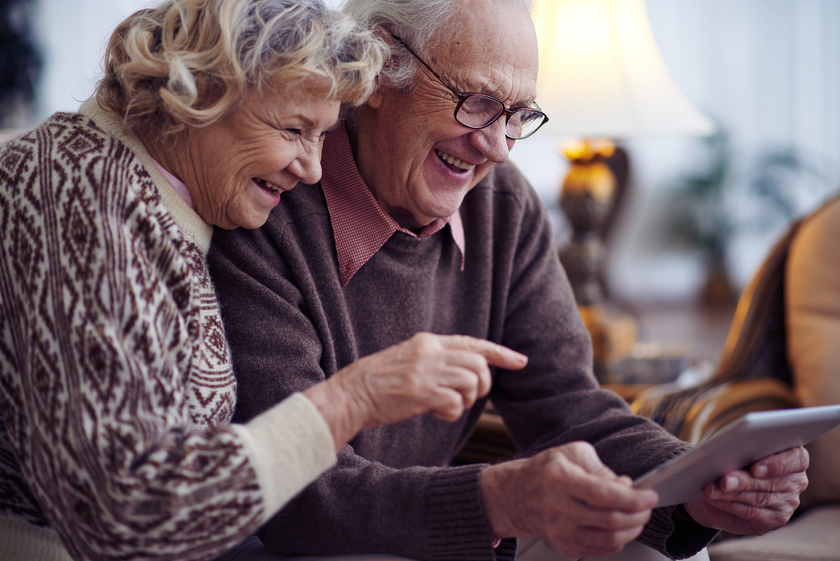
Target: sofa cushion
{"x": 812, "y": 536}
{"x": 813, "y": 336}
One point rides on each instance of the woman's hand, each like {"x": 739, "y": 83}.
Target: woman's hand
{"x": 441, "y": 374}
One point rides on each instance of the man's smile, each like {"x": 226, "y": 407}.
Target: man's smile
{"x": 454, "y": 163}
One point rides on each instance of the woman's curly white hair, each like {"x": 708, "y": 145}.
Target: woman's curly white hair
{"x": 189, "y": 63}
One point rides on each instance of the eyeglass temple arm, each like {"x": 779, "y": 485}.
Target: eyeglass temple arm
{"x": 429, "y": 68}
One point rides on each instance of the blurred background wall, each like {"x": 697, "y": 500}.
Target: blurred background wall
{"x": 767, "y": 71}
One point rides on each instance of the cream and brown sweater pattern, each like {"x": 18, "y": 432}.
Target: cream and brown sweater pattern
{"x": 115, "y": 377}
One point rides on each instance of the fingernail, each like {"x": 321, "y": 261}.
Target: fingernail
{"x": 761, "y": 472}
{"x": 730, "y": 484}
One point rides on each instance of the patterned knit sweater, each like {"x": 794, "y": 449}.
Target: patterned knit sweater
{"x": 116, "y": 387}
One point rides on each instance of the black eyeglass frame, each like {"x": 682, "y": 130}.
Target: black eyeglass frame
{"x": 463, "y": 96}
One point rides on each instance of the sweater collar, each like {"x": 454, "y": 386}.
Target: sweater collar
{"x": 360, "y": 225}
{"x": 188, "y": 220}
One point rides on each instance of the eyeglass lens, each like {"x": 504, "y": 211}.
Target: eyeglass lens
{"x": 478, "y": 111}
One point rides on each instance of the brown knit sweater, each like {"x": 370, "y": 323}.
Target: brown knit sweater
{"x": 291, "y": 324}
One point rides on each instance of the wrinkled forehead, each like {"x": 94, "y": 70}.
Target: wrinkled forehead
{"x": 493, "y": 51}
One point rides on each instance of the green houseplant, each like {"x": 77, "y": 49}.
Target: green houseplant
{"x": 707, "y": 206}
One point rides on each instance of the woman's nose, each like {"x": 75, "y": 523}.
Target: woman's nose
{"x": 307, "y": 165}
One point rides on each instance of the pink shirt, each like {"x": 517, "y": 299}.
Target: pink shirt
{"x": 179, "y": 186}
{"x": 360, "y": 225}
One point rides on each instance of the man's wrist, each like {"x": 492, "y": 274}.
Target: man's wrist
{"x": 493, "y": 494}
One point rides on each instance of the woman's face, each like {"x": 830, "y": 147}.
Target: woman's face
{"x": 237, "y": 168}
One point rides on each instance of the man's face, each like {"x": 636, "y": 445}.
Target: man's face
{"x": 420, "y": 162}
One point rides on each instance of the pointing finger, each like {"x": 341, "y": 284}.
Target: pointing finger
{"x": 496, "y": 355}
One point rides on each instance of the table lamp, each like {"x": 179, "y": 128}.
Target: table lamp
{"x": 601, "y": 79}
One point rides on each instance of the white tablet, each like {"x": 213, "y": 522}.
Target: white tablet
{"x": 746, "y": 440}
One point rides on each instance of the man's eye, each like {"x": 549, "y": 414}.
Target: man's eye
{"x": 294, "y": 132}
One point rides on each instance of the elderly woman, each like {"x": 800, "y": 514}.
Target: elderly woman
{"x": 116, "y": 384}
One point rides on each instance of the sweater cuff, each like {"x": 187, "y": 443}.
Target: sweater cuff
{"x": 506, "y": 551}
{"x": 671, "y": 534}
{"x": 457, "y": 522}
{"x": 289, "y": 446}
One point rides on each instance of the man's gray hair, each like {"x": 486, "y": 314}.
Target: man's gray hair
{"x": 420, "y": 23}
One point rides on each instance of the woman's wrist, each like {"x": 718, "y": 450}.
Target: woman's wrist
{"x": 340, "y": 407}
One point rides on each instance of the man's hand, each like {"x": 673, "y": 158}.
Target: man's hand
{"x": 754, "y": 501}
{"x": 567, "y": 497}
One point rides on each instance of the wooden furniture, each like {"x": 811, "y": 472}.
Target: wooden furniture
{"x": 491, "y": 442}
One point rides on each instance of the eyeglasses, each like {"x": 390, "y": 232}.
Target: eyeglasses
{"x": 477, "y": 110}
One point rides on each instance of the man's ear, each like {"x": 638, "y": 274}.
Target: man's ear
{"x": 384, "y": 34}
{"x": 375, "y": 100}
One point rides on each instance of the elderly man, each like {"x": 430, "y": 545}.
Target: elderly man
{"x": 418, "y": 224}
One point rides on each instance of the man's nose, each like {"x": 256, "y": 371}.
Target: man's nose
{"x": 492, "y": 142}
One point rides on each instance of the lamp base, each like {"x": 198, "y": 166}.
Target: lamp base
{"x": 586, "y": 198}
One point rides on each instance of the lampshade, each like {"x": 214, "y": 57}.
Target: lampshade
{"x": 601, "y": 73}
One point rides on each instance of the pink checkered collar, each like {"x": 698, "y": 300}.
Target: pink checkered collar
{"x": 360, "y": 225}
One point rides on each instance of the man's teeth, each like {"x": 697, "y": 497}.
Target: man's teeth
{"x": 454, "y": 161}
{"x": 268, "y": 186}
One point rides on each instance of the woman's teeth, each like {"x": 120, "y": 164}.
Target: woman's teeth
{"x": 270, "y": 187}
{"x": 452, "y": 161}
